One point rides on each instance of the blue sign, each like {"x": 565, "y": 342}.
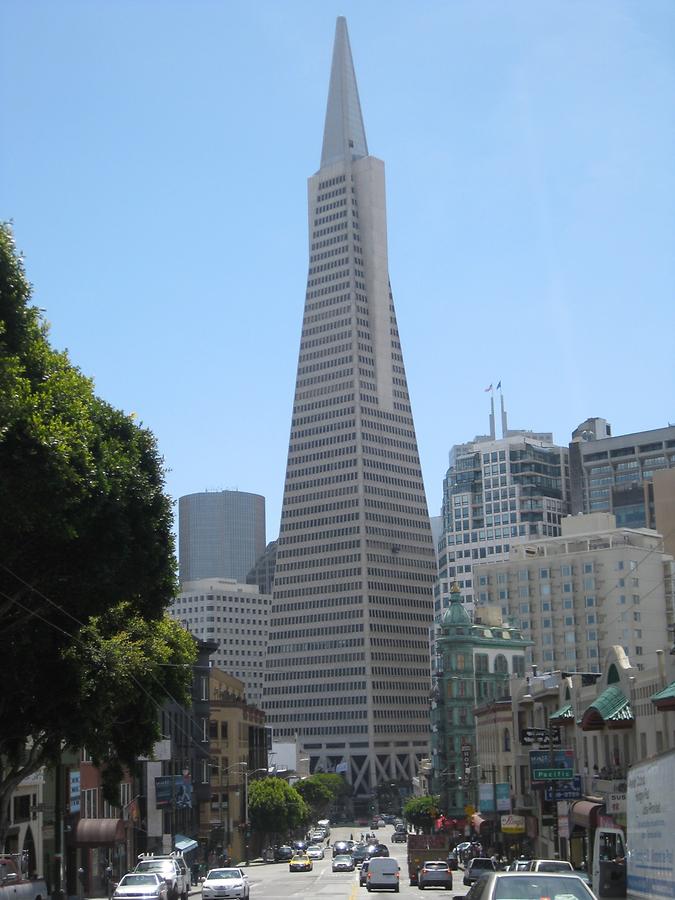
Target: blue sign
{"x": 173, "y": 790}
{"x": 74, "y": 791}
{"x": 546, "y": 765}
{"x": 486, "y": 796}
{"x": 565, "y": 790}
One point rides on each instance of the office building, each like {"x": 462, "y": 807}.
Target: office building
{"x": 616, "y": 473}
{"x": 235, "y": 617}
{"x": 577, "y": 595}
{"x": 262, "y": 572}
{"x": 497, "y": 493}
{"x": 220, "y": 534}
{"x": 347, "y": 661}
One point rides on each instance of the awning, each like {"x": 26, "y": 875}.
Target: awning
{"x": 664, "y": 700}
{"x": 585, "y": 813}
{"x": 98, "y": 832}
{"x": 611, "y": 709}
{"x": 564, "y": 714}
{"x": 184, "y": 843}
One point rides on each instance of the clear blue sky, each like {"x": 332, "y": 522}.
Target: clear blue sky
{"x": 154, "y": 158}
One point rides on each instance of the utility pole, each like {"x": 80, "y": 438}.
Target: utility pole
{"x": 551, "y": 756}
{"x": 494, "y": 803}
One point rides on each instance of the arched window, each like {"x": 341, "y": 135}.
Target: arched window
{"x": 507, "y": 740}
{"x": 501, "y": 665}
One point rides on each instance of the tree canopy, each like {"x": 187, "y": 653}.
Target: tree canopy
{"x": 87, "y": 567}
{"x": 421, "y": 812}
{"x": 275, "y": 807}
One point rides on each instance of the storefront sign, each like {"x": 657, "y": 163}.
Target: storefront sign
{"x": 513, "y": 824}
{"x": 540, "y": 736}
{"x": 616, "y": 803}
{"x": 466, "y": 757}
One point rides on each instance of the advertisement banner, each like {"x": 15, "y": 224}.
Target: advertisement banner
{"x": 174, "y": 790}
{"x": 486, "y": 796}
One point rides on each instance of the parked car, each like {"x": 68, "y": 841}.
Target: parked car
{"x": 343, "y": 863}
{"x": 300, "y": 862}
{"x": 363, "y": 872}
{"x": 283, "y": 853}
{"x": 476, "y": 867}
{"x": 435, "y": 873}
{"x": 383, "y": 873}
{"x": 315, "y": 852}
{"x": 230, "y": 882}
{"x": 525, "y": 885}
{"x": 141, "y": 885}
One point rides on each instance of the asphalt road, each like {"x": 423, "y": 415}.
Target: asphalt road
{"x": 273, "y": 881}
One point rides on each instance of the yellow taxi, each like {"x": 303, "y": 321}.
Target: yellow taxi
{"x": 300, "y": 862}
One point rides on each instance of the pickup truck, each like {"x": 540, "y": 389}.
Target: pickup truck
{"x": 14, "y": 886}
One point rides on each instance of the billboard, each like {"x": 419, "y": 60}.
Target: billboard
{"x": 174, "y": 790}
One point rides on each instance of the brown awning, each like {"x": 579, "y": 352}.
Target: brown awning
{"x": 98, "y": 832}
{"x": 585, "y": 813}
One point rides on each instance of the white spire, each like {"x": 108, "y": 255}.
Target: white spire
{"x": 344, "y": 136}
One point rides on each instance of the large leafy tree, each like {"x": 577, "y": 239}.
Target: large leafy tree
{"x": 422, "y": 812}
{"x": 86, "y": 561}
{"x": 317, "y": 795}
{"x": 275, "y": 807}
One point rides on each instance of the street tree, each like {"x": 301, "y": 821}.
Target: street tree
{"x": 86, "y": 565}
{"x": 275, "y": 807}
{"x": 317, "y": 795}
{"x": 422, "y": 812}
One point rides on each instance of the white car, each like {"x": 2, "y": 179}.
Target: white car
{"x": 315, "y": 852}
{"x": 141, "y": 886}
{"x": 222, "y": 883}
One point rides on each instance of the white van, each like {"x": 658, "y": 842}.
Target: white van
{"x": 383, "y": 873}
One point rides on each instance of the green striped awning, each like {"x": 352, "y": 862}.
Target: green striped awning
{"x": 611, "y": 709}
{"x": 665, "y": 699}
{"x": 564, "y": 714}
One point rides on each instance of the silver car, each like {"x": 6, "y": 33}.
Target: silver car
{"x": 525, "y": 885}
{"x": 141, "y": 886}
{"x": 435, "y": 873}
{"x": 222, "y": 883}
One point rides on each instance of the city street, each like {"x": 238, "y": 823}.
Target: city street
{"x": 272, "y": 881}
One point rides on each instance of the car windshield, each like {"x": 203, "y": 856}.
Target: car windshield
{"x": 137, "y": 879}
{"x": 435, "y": 865}
{"x": 343, "y": 858}
{"x": 157, "y": 866}
{"x": 535, "y": 886}
{"x": 223, "y": 874}
{"x": 554, "y": 867}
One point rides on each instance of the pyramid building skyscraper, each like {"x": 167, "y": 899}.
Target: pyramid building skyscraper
{"x": 348, "y": 651}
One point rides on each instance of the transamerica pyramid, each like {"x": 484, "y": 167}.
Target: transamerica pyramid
{"x": 348, "y": 650}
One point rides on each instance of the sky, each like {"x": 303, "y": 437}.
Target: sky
{"x": 154, "y": 158}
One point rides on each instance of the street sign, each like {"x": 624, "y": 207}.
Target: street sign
{"x": 570, "y": 790}
{"x": 540, "y": 736}
{"x": 552, "y": 774}
{"x": 469, "y": 809}
{"x": 550, "y": 765}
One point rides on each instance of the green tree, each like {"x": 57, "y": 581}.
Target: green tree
{"x": 422, "y": 812}
{"x": 87, "y": 567}
{"x": 317, "y": 795}
{"x": 275, "y": 807}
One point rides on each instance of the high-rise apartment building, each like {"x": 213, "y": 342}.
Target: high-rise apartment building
{"x": 498, "y": 492}
{"x": 235, "y": 617}
{"x": 616, "y": 473}
{"x": 220, "y": 534}
{"x": 347, "y": 661}
{"x": 577, "y": 595}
